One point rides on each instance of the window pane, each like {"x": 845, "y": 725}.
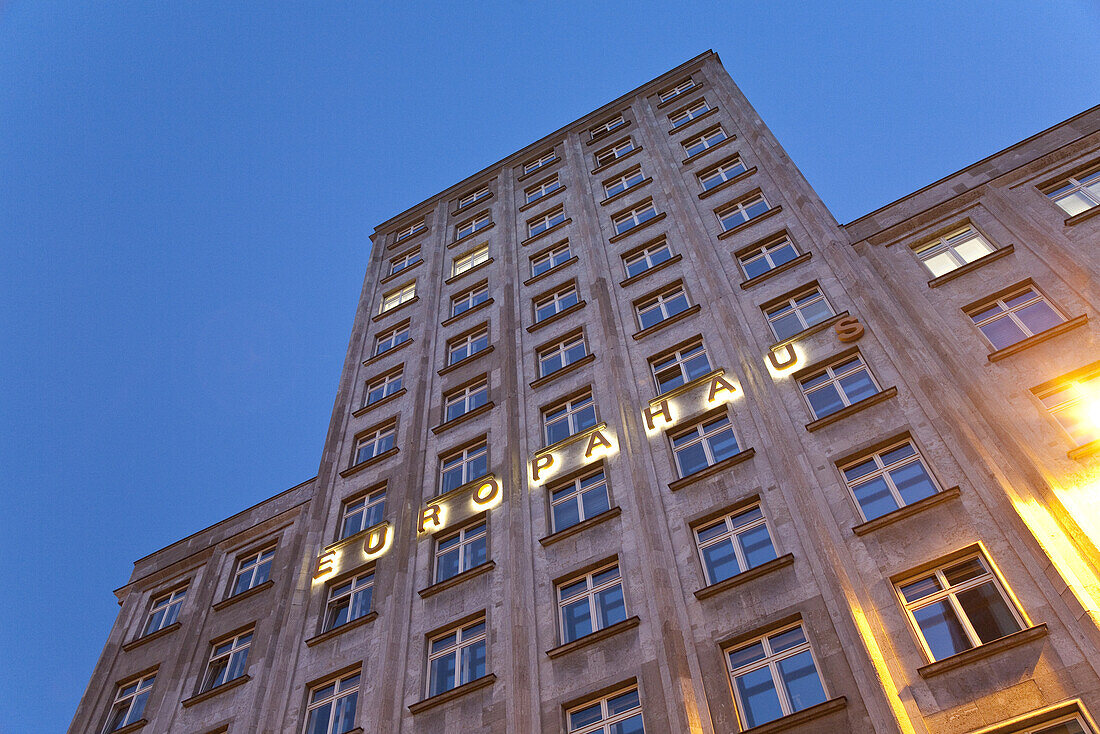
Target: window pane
{"x": 913, "y": 482}
{"x": 874, "y": 498}
{"x": 941, "y": 629}
{"x": 940, "y": 264}
{"x": 691, "y": 459}
{"x": 633, "y": 725}
{"x": 566, "y": 514}
{"x": 723, "y": 445}
{"x": 345, "y": 714}
{"x": 318, "y": 719}
{"x": 858, "y": 386}
{"x": 585, "y": 716}
{"x": 787, "y": 326}
{"x": 446, "y": 565}
{"x": 825, "y": 401}
{"x": 756, "y": 545}
{"x": 576, "y": 621}
{"x": 1039, "y": 317}
{"x": 721, "y": 561}
{"x": 595, "y": 501}
{"x": 759, "y": 698}
{"x": 801, "y": 681}
{"x": 610, "y": 606}
{"x": 973, "y": 248}
{"x": 473, "y": 661}
{"x": 988, "y": 613}
{"x": 1002, "y": 332}
{"x": 442, "y": 675}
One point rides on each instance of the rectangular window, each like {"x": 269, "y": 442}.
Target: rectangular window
{"x": 603, "y": 129}
{"x": 798, "y": 313}
{"x": 463, "y": 466}
{"x": 1077, "y": 193}
{"x": 655, "y": 309}
{"x": 414, "y": 228}
{"x": 653, "y": 254}
{"x": 544, "y": 160}
{"x": 569, "y": 418}
{"x": 349, "y": 600}
{"x": 461, "y": 401}
{"x": 742, "y": 211}
{"x": 768, "y": 256}
{"x": 838, "y": 386}
{"x": 463, "y": 302}
{"x": 628, "y": 220}
{"x": 1014, "y": 317}
{"x": 252, "y": 570}
{"x": 467, "y": 345}
{"x": 470, "y": 260}
{"x": 541, "y": 189}
{"x": 734, "y": 544}
{"x": 545, "y": 222}
{"x": 397, "y": 296}
{"x": 726, "y": 171}
{"x": 404, "y": 261}
{"x": 958, "y": 606}
{"x": 689, "y": 113}
{"x": 390, "y": 338}
{"x": 889, "y": 479}
{"x": 362, "y": 513}
{"x": 578, "y": 500}
{"x": 129, "y": 705}
{"x": 375, "y": 443}
{"x": 774, "y": 676}
{"x": 703, "y": 444}
{"x": 473, "y": 197}
{"x": 331, "y": 707}
{"x": 467, "y": 228}
{"x": 619, "y": 184}
{"x": 556, "y": 302}
{"x": 562, "y": 354}
{"x": 619, "y": 713}
{"x": 228, "y": 660}
{"x": 614, "y": 152}
{"x": 590, "y": 603}
{"x": 680, "y": 366}
{"x": 460, "y": 551}
{"x": 456, "y": 657}
{"x": 705, "y": 141}
{"x": 951, "y": 251}
{"x": 1075, "y": 404}
{"x": 550, "y": 259}
{"x": 164, "y": 611}
{"x": 676, "y": 91}
{"x": 382, "y": 387}
{"x": 1073, "y": 725}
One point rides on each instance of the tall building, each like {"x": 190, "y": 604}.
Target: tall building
{"x": 632, "y": 434}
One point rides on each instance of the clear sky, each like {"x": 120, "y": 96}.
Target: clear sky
{"x": 186, "y": 191}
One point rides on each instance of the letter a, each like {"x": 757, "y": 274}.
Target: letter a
{"x": 717, "y": 385}
{"x": 596, "y": 440}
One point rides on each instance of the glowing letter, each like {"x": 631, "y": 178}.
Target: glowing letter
{"x": 325, "y": 562}
{"x": 650, "y": 414}
{"x": 376, "y": 541}
{"x": 848, "y": 329}
{"x": 789, "y": 361}
{"x": 431, "y": 512}
{"x": 540, "y": 463}
{"x": 487, "y": 492}
{"x": 595, "y": 441}
{"x": 717, "y": 385}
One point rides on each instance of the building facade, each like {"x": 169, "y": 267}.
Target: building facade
{"x": 633, "y": 436}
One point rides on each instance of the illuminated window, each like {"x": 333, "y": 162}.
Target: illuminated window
{"x": 619, "y": 713}
{"x": 463, "y": 302}
{"x": 958, "y": 606}
{"x": 734, "y": 544}
{"x": 331, "y": 706}
{"x": 390, "y": 338}
{"x": 654, "y": 309}
{"x": 768, "y": 256}
{"x": 470, "y": 226}
{"x": 774, "y": 676}
{"x": 473, "y": 197}
{"x": 590, "y": 603}
{"x": 614, "y": 152}
{"x": 628, "y": 220}
{"x": 705, "y": 141}
{"x": 569, "y": 418}
{"x": 252, "y": 570}
{"x": 653, "y": 254}
{"x": 396, "y": 297}
{"x": 404, "y": 261}
{"x": 556, "y": 302}
{"x": 361, "y": 513}
{"x": 578, "y": 500}
{"x": 951, "y": 251}
{"x": 414, "y": 228}
{"x": 889, "y": 479}
{"x": 1014, "y": 317}
{"x": 562, "y": 354}
{"x": 129, "y": 705}
{"x": 798, "y": 313}
{"x": 550, "y": 259}
{"x": 544, "y": 160}
{"x": 456, "y": 657}
{"x": 1072, "y": 725}
{"x": 470, "y": 260}
{"x": 703, "y": 444}
{"x": 463, "y": 466}
{"x": 228, "y": 660}
{"x": 619, "y": 184}
{"x": 726, "y": 171}
{"x": 603, "y": 129}
{"x": 1077, "y": 193}
{"x": 838, "y": 386}
{"x": 1075, "y": 404}
{"x": 541, "y": 189}
{"x": 348, "y": 600}
{"x": 375, "y": 443}
{"x": 458, "y": 403}
{"x": 742, "y": 211}
{"x": 382, "y": 387}
{"x": 164, "y": 611}
{"x": 689, "y": 113}
{"x": 467, "y": 345}
{"x": 545, "y": 222}
{"x": 680, "y": 366}
{"x": 676, "y": 91}
{"x": 460, "y": 551}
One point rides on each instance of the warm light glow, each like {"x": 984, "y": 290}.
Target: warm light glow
{"x": 432, "y": 518}
{"x": 387, "y": 536}
{"x": 487, "y": 496}
{"x": 1090, "y": 405}
{"x": 782, "y": 357}
{"x": 602, "y": 451}
{"x": 542, "y": 468}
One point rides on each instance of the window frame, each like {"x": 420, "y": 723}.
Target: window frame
{"x": 788, "y": 304}
{"x": 473, "y": 197}
{"x": 470, "y": 259}
{"x": 407, "y": 259}
{"x": 730, "y": 535}
{"x": 677, "y": 90}
{"x": 466, "y": 456}
{"x": 413, "y": 229}
{"x": 543, "y": 188}
{"x": 602, "y": 129}
{"x": 549, "y": 256}
{"x": 460, "y": 644}
{"x": 703, "y": 436}
{"x": 384, "y": 382}
{"x": 1001, "y": 300}
{"x": 679, "y": 355}
{"x": 236, "y": 646}
{"x": 946, "y": 244}
{"x": 556, "y": 297}
{"x": 468, "y": 535}
{"x": 542, "y": 161}
{"x": 545, "y": 222}
{"x": 630, "y": 179}
{"x": 142, "y": 684}
{"x": 466, "y": 341}
{"x": 834, "y": 379}
{"x": 707, "y": 139}
{"x": 764, "y": 251}
{"x": 721, "y": 170}
{"x": 475, "y": 224}
{"x": 1085, "y": 387}
{"x": 370, "y": 499}
{"x": 658, "y": 301}
{"x": 467, "y": 300}
{"x": 608, "y": 155}
{"x": 884, "y": 470}
{"x": 172, "y": 602}
{"x": 466, "y": 395}
{"x": 606, "y": 719}
{"x": 258, "y": 560}
{"x": 576, "y": 484}
{"x": 770, "y": 661}
{"x": 742, "y": 207}
{"x": 391, "y": 335}
{"x": 684, "y": 115}
{"x": 397, "y": 297}
{"x": 590, "y": 592}
{"x": 634, "y": 215}
{"x": 358, "y": 583}
{"x": 377, "y": 437}
{"x": 560, "y": 348}
{"x": 645, "y": 254}
{"x": 573, "y": 406}
{"x": 341, "y": 690}
{"x": 1079, "y": 182}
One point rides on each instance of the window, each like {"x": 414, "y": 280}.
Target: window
{"x": 707, "y": 140}
{"x": 721, "y": 173}
{"x": 556, "y": 302}
{"x": 1074, "y": 725}
{"x": 463, "y": 466}
{"x": 619, "y": 713}
{"x": 1077, "y": 193}
{"x": 569, "y": 418}
{"x": 1014, "y": 317}
{"x": 164, "y": 610}
{"x": 414, "y": 228}
{"x": 889, "y": 479}
{"x": 628, "y": 180}
{"x": 677, "y": 90}
{"x": 838, "y": 386}
{"x": 473, "y": 197}
{"x": 1076, "y": 405}
{"x": 252, "y": 571}
{"x": 550, "y": 259}
{"x": 639, "y": 261}
{"x": 655, "y": 309}
{"x": 461, "y": 401}
{"x": 349, "y": 600}
{"x": 680, "y": 366}
{"x": 481, "y": 221}
{"x": 613, "y": 153}
{"x": 456, "y": 658}
{"x": 539, "y": 190}
{"x": 613, "y": 124}
{"x": 362, "y": 513}
{"x": 227, "y": 661}
{"x": 774, "y": 676}
{"x": 742, "y": 211}
{"x": 331, "y": 708}
{"x": 467, "y": 345}
{"x": 544, "y": 160}
{"x": 630, "y": 219}
{"x": 768, "y": 256}
{"x": 545, "y": 222}
{"x": 958, "y": 606}
{"x": 591, "y": 603}
{"x": 689, "y": 113}
{"x": 734, "y": 544}
{"x": 952, "y": 251}
{"x": 463, "y": 302}
{"x": 390, "y": 338}
{"x": 396, "y": 297}
{"x": 704, "y": 444}
{"x": 382, "y": 387}
{"x": 375, "y": 443}
{"x": 562, "y": 354}
{"x": 129, "y": 705}
{"x": 470, "y": 260}
{"x": 404, "y": 261}
{"x": 578, "y": 500}
{"x": 798, "y": 313}
{"x": 460, "y": 551}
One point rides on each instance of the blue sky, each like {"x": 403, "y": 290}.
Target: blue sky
{"x": 187, "y": 188}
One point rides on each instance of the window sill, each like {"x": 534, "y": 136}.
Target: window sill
{"x": 843, "y": 413}
{"x": 463, "y": 418}
{"x": 162, "y": 632}
{"x": 679, "y": 97}
{"x": 592, "y": 140}
{"x": 464, "y": 273}
{"x": 686, "y": 313}
{"x": 983, "y": 651}
{"x": 470, "y": 207}
{"x": 703, "y": 153}
{"x": 620, "y": 159}
{"x": 388, "y": 352}
{"x": 371, "y": 406}
{"x": 472, "y": 235}
{"x": 231, "y": 600}
{"x": 479, "y": 307}
{"x": 406, "y": 240}
{"x": 624, "y": 192}
{"x": 378, "y": 317}
{"x": 581, "y": 526}
{"x": 804, "y": 257}
{"x": 556, "y": 317}
{"x": 907, "y": 511}
{"x": 647, "y": 223}
{"x": 535, "y": 238}
{"x": 543, "y": 198}
{"x": 1078, "y": 218}
{"x": 800, "y": 717}
{"x": 546, "y": 274}
{"x": 1085, "y": 450}
{"x": 441, "y": 698}
{"x": 745, "y": 225}
{"x": 690, "y": 123}
{"x": 394, "y": 276}
{"x": 983, "y": 260}
{"x": 711, "y": 470}
{"x": 356, "y": 468}
{"x": 131, "y": 727}
{"x": 200, "y": 697}
{"x": 571, "y": 439}
{"x": 571, "y": 367}
{"x": 335, "y": 631}
{"x": 810, "y": 331}
{"x": 645, "y": 273}
{"x": 1039, "y": 338}
{"x": 541, "y": 169}
{"x": 456, "y": 579}
{"x": 745, "y": 576}
{"x": 465, "y": 361}
{"x": 726, "y": 184}
{"x": 594, "y": 637}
